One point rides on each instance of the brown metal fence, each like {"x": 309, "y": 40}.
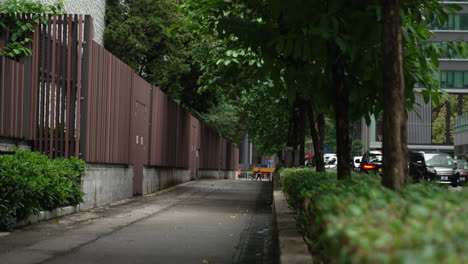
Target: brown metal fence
{"x": 213, "y": 149}
{"x": 12, "y": 99}
{"x": 170, "y": 132}
{"x": 74, "y": 98}
{"x": 62, "y": 59}
{"x": 109, "y": 108}
{"x": 46, "y": 87}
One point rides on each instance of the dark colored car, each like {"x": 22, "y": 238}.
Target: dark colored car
{"x": 371, "y": 162}
{"x": 461, "y": 172}
{"x": 432, "y": 166}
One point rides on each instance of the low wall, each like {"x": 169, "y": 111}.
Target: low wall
{"x": 217, "y": 174}
{"x": 104, "y": 184}
{"x": 7, "y": 144}
{"x": 155, "y": 179}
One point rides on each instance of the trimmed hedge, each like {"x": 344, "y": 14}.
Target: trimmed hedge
{"x": 360, "y": 221}
{"x": 31, "y": 182}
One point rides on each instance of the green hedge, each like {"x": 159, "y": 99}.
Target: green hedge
{"x": 31, "y": 182}
{"x": 360, "y": 221}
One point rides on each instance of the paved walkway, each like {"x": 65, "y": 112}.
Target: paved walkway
{"x": 197, "y": 222}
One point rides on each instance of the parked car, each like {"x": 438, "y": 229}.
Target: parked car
{"x": 461, "y": 173}
{"x": 432, "y": 166}
{"x": 330, "y": 160}
{"x": 356, "y": 162}
{"x": 371, "y": 162}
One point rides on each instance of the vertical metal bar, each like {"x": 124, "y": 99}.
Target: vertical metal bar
{"x": 105, "y": 94}
{"x": 47, "y": 88}
{"x": 52, "y": 88}
{"x": 20, "y": 102}
{"x": 8, "y": 89}
{"x": 150, "y": 127}
{"x": 12, "y": 101}
{"x": 69, "y": 86}
{"x": 63, "y": 75}
{"x": 131, "y": 125}
{"x": 58, "y": 82}
{"x": 102, "y": 89}
{"x": 95, "y": 106}
{"x": 35, "y": 86}
{"x": 113, "y": 148}
{"x": 9, "y": 95}
{"x": 26, "y": 115}
{"x": 91, "y": 103}
{"x": 108, "y": 97}
{"x": 78, "y": 86}
{"x": 117, "y": 121}
{"x": 43, "y": 74}
{"x": 85, "y": 86}
{"x": 73, "y": 99}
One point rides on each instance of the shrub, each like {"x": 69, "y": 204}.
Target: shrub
{"x": 31, "y": 182}
{"x": 360, "y": 221}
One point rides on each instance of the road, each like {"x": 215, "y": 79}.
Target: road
{"x": 222, "y": 221}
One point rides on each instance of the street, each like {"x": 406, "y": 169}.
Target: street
{"x": 207, "y": 221}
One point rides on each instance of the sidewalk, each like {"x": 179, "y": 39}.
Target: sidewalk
{"x": 218, "y": 221}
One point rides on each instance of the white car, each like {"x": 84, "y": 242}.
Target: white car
{"x": 331, "y": 160}
{"x": 357, "y": 161}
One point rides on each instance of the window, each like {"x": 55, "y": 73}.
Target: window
{"x": 465, "y": 80}
{"x": 454, "y": 22}
{"x": 453, "y": 79}
{"x": 444, "y": 47}
{"x": 458, "y": 80}
{"x": 438, "y": 160}
{"x": 450, "y": 79}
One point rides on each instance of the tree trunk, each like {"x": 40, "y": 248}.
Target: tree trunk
{"x": 395, "y": 169}
{"x": 288, "y": 158}
{"x": 343, "y": 143}
{"x": 317, "y": 132}
{"x": 301, "y": 134}
{"x": 295, "y": 134}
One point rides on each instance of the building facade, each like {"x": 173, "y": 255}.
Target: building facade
{"x": 430, "y": 127}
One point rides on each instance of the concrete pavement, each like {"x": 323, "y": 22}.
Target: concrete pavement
{"x": 206, "y": 221}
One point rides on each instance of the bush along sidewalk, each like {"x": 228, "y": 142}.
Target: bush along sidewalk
{"x": 360, "y": 221}
{"x": 31, "y": 182}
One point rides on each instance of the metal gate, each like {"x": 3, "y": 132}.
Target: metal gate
{"x": 141, "y": 94}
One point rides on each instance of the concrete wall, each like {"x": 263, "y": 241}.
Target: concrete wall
{"x": 217, "y": 174}
{"x": 7, "y": 144}
{"x": 95, "y": 8}
{"x": 104, "y": 184}
{"x": 155, "y": 179}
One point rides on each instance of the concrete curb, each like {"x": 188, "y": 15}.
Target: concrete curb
{"x": 47, "y": 215}
{"x": 291, "y": 245}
